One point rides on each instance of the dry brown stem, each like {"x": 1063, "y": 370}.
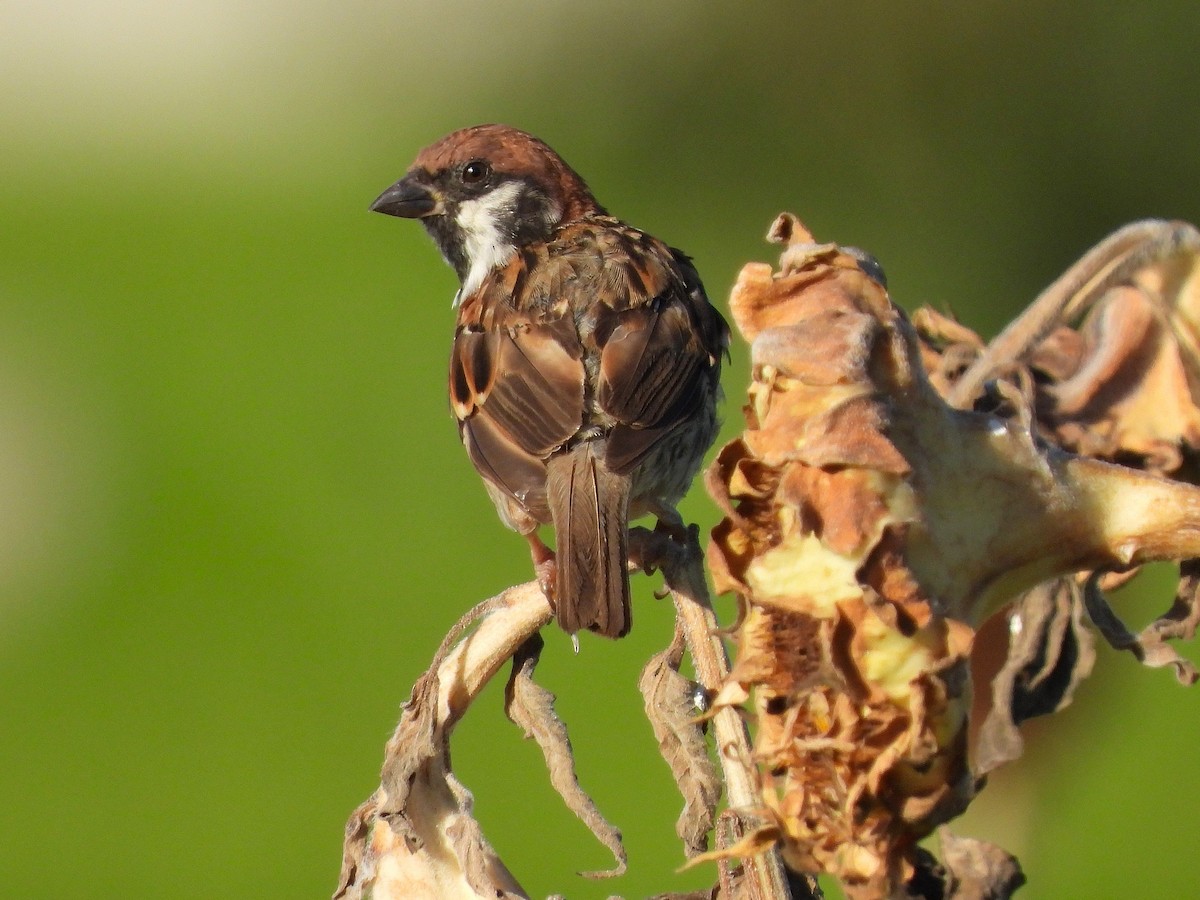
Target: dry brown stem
{"x": 762, "y": 876}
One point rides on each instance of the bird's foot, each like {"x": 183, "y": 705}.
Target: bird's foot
{"x": 651, "y": 550}
{"x": 672, "y": 525}
{"x": 677, "y": 530}
{"x": 545, "y": 566}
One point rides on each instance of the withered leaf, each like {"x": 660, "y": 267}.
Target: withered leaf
{"x": 944, "y": 331}
{"x": 1130, "y": 395}
{"x": 358, "y": 827}
{"x": 977, "y": 870}
{"x": 1150, "y": 646}
{"x": 486, "y": 876}
{"x": 419, "y": 814}
{"x": 1050, "y": 651}
{"x": 416, "y": 744}
{"x": 415, "y": 837}
{"x": 668, "y": 700}
{"x": 531, "y": 707}
{"x": 746, "y": 835}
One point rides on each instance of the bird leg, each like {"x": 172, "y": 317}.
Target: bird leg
{"x": 545, "y": 566}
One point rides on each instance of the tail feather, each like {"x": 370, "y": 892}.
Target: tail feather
{"x": 590, "y": 507}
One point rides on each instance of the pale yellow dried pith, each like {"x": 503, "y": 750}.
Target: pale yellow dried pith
{"x": 802, "y": 563}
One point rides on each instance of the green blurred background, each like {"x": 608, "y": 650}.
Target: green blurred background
{"x": 234, "y": 516}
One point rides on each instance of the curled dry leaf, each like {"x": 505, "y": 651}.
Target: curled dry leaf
{"x": 531, "y": 707}
{"x": 1151, "y": 645}
{"x": 672, "y": 714}
{"x": 871, "y": 527}
{"x": 1044, "y": 650}
{"x": 1110, "y": 351}
{"x": 1101, "y": 366}
{"x": 416, "y": 837}
{"x": 977, "y": 870}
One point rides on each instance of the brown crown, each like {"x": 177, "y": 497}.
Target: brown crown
{"x": 514, "y": 153}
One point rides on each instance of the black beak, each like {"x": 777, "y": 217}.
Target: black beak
{"x": 408, "y": 199}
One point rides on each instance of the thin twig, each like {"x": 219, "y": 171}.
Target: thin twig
{"x": 683, "y": 568}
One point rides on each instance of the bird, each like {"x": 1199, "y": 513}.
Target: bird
{"x": 586, "y": 362}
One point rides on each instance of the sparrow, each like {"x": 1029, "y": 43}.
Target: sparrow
{"x": 585, "y": 369}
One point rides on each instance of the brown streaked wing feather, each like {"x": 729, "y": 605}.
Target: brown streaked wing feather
{"x": 626, "y": 447}
{"x": 648, "y": 371}
{"x": 714, "y": 331}
{"x": 472, "y": 368}
{"x": 537, "y": 396}
{"x": 516, "y": 387}
{"x": 652, "y": 377}
{"x": 502, "y": 462}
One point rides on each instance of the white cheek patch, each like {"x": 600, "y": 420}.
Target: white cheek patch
{"x": 486, "y": 246}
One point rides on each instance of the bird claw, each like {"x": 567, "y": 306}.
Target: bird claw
{"x": 650, "y": 550}
{"x": 641, "y": 557}
{"x": 676, "y": 529}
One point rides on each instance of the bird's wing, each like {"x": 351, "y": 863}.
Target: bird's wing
{"x": 516, "y": 387}
{"x": 660, "y": 344}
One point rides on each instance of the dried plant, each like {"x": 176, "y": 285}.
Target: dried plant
{"x": 415, "y": 837}
{"x": 898, "y": 482}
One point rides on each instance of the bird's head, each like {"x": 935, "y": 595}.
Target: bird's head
{"x": 485, "y": 192}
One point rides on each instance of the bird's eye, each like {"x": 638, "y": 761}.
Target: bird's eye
{"x": 475, "y": 172}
